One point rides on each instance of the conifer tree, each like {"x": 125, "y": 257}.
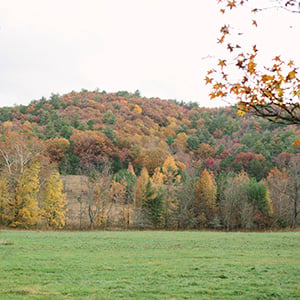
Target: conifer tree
{"x": 54, "y": 202}
{"x": 171, "y": 180}
{"x": 205, "y": 196}
{"x": 153, "y": 205}
{"x": 170, "y": 171}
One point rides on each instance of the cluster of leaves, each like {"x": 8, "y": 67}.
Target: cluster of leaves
{"x": 271, "y": 92}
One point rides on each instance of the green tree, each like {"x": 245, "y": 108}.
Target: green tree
{"x": 109, "y": 118}
{"x": 258, "y": 196}
{"x": 66, "y": 131}
{"x": 193, "y": 142}
{"x": 50, "y": 131}
{"x": 153, "y": 205}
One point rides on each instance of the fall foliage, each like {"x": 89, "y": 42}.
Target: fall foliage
{"x": 269, "y": 91}
{"x": 25, "y": 210}
{"x": 205, "y": 197}
{"x": 53, "y": 208}
{"x": 144, "y": 163}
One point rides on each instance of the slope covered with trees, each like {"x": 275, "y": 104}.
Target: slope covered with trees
{"x": 167, "y": 164}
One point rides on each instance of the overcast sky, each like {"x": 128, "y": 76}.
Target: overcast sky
{"x": 156, "y": 46}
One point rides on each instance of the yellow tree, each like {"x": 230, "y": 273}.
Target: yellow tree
{"x": 171, "y": 180}
{"x": 205, "y": 197}
{"x": 25, "y": 210}
{"x": 54, "y": 201}
{"x": 157, "y": 178}
{"x": 170, "y": 171}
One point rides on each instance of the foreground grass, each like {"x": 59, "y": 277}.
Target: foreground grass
{"x": 149, "y": 265}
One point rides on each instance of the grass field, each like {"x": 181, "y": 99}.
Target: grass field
{"x": 149, "y": 265}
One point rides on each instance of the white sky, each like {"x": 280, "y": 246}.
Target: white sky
{"x": 156, "y": 46}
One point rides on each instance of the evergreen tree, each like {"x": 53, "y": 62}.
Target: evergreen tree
{"x": 153, "y": 205}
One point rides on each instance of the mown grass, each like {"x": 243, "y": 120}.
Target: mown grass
{"x": 149, "y": 265}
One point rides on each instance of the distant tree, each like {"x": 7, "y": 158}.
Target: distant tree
{"x": 278, "y": 184}
{"x": 25, "y": 211}
{"x": 90, "y": 124}
{"x": 235, "y": 210}
{"x": 169, "y": 140}
{"x": 66, "y": 131}
{"x": 205, "y": 151}
{"x": 82, "y": 126}
{"x": 137, "y": 109}
{"x": 285, "y": 190}
{"x": 193, "y": 142}
{"x": 57, "y": 149}
{"x": 168, "y": 190}
{"x": 170, "y": 171}
{"x": 152, "y": 207}
{"x": 130, "y": 179}
{"x": 5, "y": 199}
{"x": 98, "y": 196}
{"x": 294, "y": 189}
{"x": 154, "y": 158}
{"x": 50, "y": 131}
{"x": 55, "y": 100}
{"x": 245, "y": 203}
{"x": 141, "y": 188}
{"x": 258, "y": 196}
{"x": 110, "y": 133}
{"x": 53, "y": 202}
{"x": 92, "y": 147}
{"x": 137, "y": 93}
{"x": 17, "y": 149}
{"x": 253, "y": 164}
{"x": 109, "y": 118}
{"x": 186, "y": 199}
{"x": 205, "y": 197}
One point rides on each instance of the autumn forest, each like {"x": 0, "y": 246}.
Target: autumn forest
{"x": 145, "y": 163}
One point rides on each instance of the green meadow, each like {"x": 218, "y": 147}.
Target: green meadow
{"x": 149, "y": 265}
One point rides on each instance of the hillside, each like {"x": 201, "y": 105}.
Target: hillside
{"x": 128, "y": 128}
{"x": 117, "y": 135}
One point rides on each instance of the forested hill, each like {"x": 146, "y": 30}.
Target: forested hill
{"x": 145, "y": 163}
{"x": 82, "y": 130}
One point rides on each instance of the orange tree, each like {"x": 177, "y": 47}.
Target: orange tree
{"x": 271, "y": 92}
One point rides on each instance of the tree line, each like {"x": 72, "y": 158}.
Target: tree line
{"x": 165, "y": 164}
